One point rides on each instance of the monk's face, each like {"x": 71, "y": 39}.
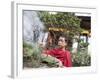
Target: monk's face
{"x": 61, "y": 42}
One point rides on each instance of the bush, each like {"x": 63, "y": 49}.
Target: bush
{"x": 81, "y": 59}
{"x": 33, "y": 58}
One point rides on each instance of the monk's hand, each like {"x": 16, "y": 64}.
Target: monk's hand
{"x": 59, "y": 63}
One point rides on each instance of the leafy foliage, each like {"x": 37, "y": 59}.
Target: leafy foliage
{"x": 33, "y": 58}
{"x": 81, "y": 59}
{"x": 83, "y": 44}
{"x": 65, "y": 20}
{"x": 27, "y": 49}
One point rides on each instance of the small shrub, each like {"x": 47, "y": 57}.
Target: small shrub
{"x": 32, "y": 57}
{"x": 81, "y": 59}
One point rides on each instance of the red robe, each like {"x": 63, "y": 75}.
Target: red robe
{"x": 63, "y": 56}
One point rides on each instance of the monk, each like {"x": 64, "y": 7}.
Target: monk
{"x": 60, "y": 54}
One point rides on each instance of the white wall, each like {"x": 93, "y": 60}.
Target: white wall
{"x": 5, "y": 39}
